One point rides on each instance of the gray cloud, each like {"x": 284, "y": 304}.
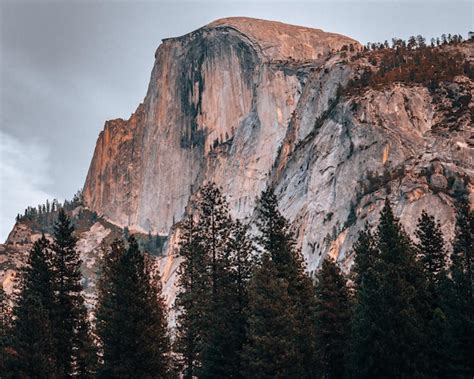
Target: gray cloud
{"x": 66, "y": 67}
{"x": 23, "y": 171}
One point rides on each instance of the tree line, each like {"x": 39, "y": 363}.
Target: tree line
{"x": 50, "y": 208}
{"x": 413, "y": 61}
{"x": 415, "y": 42}
{"x": 245, "y": 306}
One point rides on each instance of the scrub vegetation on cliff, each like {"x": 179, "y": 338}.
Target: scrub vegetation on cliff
{"x": 412, "y": 62}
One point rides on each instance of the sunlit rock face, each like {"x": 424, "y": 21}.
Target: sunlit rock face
{"x": 217, "y": 108}
{"x": 250, "y": 103}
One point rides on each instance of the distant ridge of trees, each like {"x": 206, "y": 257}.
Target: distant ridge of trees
{"x": 50, "y": 207}
{"x": 41, "y": 219}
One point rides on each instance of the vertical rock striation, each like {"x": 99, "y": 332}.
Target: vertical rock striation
{"x": 217, "y": 108}
{"x": 249, "y": 103}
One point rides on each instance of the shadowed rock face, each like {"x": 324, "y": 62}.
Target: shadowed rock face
{"x": 335, "y": 178}
{"x": 229, "y": 87}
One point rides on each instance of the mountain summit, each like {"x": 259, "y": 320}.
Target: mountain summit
{"x": 277, "y": 40}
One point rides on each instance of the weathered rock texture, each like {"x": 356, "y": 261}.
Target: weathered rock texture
{"x": 217, "y": 108}
{"x": 249, "y": 103}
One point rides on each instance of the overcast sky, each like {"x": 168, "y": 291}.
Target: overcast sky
{"x": 66, "y": 67}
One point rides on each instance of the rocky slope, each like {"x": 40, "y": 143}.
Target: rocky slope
{"x": 94, "y": 234}
{"x": 249, "y": 103}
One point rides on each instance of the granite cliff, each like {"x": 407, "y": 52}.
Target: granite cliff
{"x": 249, "y": 103}
{"x": 217, "y": 108}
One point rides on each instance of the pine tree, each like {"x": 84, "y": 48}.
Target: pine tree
{"x": 365, "y": 256}
{"x": 332, "y": 320}
{"x": 243, "y": 265}
{"x": 108, "y": 318}
{"x": 219, "y": 349}
{"x": 431, "y": 250}
{"x": 277, "y": 240}
{"x": 220, "y": 353}
{"x": 191, "y": 300}
{"x": 212, "y": 277}
{"x": 460, "y": 302}
{"x": 214, "y": 227}
{"x": 32, "y": 341}
{"x": 75, "y": 354}
{"x": 131, "y": 316}
{"x": 222, "y": 356}
{"x": 387, "y": 330}
{"x": 85, "y": 350}
{"x": 32, "y": 335}
{"x": 271, "y": 350}
{"x": 431, "y": 253}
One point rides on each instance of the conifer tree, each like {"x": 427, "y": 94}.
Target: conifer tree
{"x": 366, "y": 255}
{"x": 214, "y": 227}
{"x": 213, "y": 277}
{"x": 85, "y": 349}
{"x": 278, "y": 241}
{"x": 431, "y": 250}
{"x": 222, "y": 356}
{"x": 243, "y": 265}
{"x": 108, "y": 318}
{"x": 191, "y": 300}
{"x": 460, "y": 302}
{"x": 131, "y": 316}
{"x": 75, "y": 354}
{"x": 387, "y": 329}
{"x": 271, "y": 350}
{"x": 332, "y": 320}
{"x": 32, "y": 343}
{"x": 431, "y": 253}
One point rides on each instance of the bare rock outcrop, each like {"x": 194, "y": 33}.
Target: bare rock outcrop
{"x": 217, "y": 108}
{"x": 249, "y": 103}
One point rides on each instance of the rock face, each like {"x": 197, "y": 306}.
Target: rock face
{"x": 250, "y": 103}
{"x": 218, "y": 106}
{"x": 371, "y": 146}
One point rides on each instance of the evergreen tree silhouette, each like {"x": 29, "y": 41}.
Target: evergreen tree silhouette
{"x": 276, "y": 239}
{"x": 32, "y": 338}
{"x": 73, "y": 341}
{"x": 131, "y": 316}
{"x": 333, "y": 315}
{"x": 387, "y": 330}
{"x": 272, "y": 350}
{"x": 459, "y": 301}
